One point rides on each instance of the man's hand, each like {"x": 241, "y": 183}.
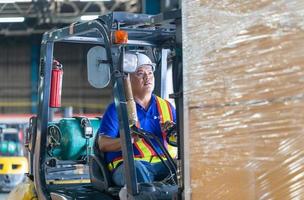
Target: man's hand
{"x": 167, "y": 126}
{"x": 134, "y": 137}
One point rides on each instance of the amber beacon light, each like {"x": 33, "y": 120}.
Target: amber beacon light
{"x": 120, "y": 37}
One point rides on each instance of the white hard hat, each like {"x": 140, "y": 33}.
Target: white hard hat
{"x": 138, "y": 59}
{"x": 143, "y": 59}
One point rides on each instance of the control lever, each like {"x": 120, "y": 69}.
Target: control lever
{"x": 88, "y": 134}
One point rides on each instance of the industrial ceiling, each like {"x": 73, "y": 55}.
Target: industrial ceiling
{"x": 37, "y": 16}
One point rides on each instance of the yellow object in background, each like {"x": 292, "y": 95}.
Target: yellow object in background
{"x": 13, "y": 165}
{"x": 24, "y": 191}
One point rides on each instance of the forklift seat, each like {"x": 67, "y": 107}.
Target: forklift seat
{"x": 99, "y": 173}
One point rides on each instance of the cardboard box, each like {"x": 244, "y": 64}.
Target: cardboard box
{"x": 244, "y": 99}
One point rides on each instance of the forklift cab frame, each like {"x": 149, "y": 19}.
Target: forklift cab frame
{"x": 144, "y": 31}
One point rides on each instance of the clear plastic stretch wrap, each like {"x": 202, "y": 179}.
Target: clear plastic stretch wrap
{"x": 244, "y": 99}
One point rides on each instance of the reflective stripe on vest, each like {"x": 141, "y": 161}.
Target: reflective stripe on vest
{"x": 154, "y": 159}
{"x": 165, "y": 113}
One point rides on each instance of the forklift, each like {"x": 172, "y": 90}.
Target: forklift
{"x": 59, "y": 148}
{"x": 13, "y": 163}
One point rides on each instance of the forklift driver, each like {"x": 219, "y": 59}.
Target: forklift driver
{"x": 153, "y": 112}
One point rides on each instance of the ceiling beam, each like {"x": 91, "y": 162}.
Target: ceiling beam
{"x": 42, "y": 15}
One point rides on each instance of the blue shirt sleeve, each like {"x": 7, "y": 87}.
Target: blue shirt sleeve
{"x": 109, "y": 125}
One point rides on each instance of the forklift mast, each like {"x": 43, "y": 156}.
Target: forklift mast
{"x": 158, "y": 33}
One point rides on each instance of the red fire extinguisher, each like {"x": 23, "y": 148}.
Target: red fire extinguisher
{"x": 56, "y": 85}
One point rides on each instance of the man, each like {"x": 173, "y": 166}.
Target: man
{"x": 152, "y": 113}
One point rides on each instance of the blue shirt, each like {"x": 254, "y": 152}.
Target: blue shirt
{"x": 149, "y": 120}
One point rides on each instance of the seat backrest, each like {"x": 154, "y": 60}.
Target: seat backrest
{"x": 99, "y": 173}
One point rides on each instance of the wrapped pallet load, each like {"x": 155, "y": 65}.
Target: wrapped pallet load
{"x": 244, "y": 99}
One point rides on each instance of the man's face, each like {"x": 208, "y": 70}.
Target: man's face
{"x": 142, "y": 80}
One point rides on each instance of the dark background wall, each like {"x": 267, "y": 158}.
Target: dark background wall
{"x": 15, "y": 76}
{"x": 18, "y": 74}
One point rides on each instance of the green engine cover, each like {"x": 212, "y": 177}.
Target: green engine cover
{"x": 71, "y": 141}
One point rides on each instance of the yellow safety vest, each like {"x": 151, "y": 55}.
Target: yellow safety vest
{"x": 146, "y": 151}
